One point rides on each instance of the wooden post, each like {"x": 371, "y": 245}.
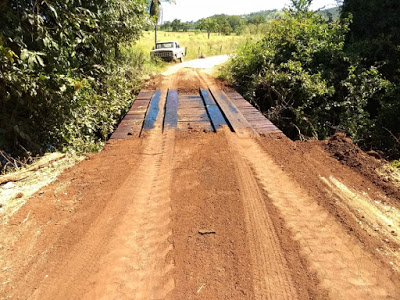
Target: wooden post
{"x": 220, "y": 50}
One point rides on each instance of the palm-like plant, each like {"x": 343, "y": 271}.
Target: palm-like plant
{"x": 155, "y": 12}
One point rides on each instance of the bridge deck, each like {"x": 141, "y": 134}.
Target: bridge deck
{"x": 207, "y": 110}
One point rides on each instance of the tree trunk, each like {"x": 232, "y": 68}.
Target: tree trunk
{"x": 209, "y": 33}
{"x": 155, "y": 36}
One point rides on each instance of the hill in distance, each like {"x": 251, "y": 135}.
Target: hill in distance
{"x": 270, "y": 14}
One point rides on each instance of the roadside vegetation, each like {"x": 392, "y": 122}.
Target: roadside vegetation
{"x": 314, "y": 76}
{"x": 65, "y": 76}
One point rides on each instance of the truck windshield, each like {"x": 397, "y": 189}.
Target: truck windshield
{"x": 164, "y": 45}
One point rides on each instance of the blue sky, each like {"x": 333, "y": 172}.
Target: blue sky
{"x": 192, "y": 10}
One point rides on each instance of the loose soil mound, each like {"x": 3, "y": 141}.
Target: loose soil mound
{"x": 343, "y": 149}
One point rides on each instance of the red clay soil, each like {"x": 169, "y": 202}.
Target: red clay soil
{"x": 307, "y": 162}
{"x": 207, "y": 199}
{"x": 343, "y": 149}
{"x": 195, "y": 215}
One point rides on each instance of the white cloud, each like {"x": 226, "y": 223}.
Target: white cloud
{"x": 192, "y": 10}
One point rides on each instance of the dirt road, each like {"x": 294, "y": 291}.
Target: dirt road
{"x": 194, "y": 214}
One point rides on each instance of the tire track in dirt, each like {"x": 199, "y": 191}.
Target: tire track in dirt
{"x": 272, "y": 277}
{"x": 60, "y": 217}
{"x": 137, "y": 265}
{"x": 344, "y": 269}
{"x": 124, "y": 254}
{"x": 205, "y": 198}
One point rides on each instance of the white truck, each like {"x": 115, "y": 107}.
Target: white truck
{"x": 168, "y": 51}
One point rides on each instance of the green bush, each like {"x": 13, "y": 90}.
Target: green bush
{"x": 301, "y": 76}
{"x": 63, "y": 80}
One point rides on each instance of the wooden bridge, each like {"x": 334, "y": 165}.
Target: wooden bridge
{"x": 208, "y": 110}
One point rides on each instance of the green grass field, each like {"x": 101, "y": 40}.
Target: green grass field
{"x": 195, "y": 42}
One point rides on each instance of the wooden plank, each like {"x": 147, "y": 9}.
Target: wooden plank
{"x": 184, "y": 126}
{"x": 140, "y": 103}
{"x": 171, "y": 110}
{"x": 145, "y": 94}
{"x": 257, "y": 120}
{"x": 133, "y": 120}
{"x": 215, "y": 114}
{"x": 235, "y": 118}
{"x": 195, "y": 120}
{"x": 185, "y": 101}
{"x": 153, "y": 111}
{"x": 188, "y": 96}
{"x": 191, "y": 105}
{"x": 193, "y": 115}
{"x": 139, "y": 111}
{"x": 202, "y": 114}
{"x": 134, "y": 117}
{"x": 191, "y": 110}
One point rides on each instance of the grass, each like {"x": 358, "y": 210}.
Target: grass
{"x": 391, "y": 172}
{"x": 194, "y": 42}
{"x": 396, "y": 164}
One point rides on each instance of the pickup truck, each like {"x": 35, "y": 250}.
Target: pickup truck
{"x": 168, "y": 51}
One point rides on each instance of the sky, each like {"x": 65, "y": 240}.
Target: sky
{"x": 192, "y": 10}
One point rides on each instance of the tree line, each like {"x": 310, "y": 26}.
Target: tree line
{"x": 222, "y": 24}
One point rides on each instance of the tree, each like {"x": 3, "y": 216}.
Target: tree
{"x": 166, "y": 26}
{"x": 225, "y": 28}
{"x": 155, "y": 14}
{"x": 375, "y": 37}
{"x": 300, "y": 5}
{"x": 209, "y": 25}
{"x": 236, "y": 23}
{"x": 176, "y": 25}
{"x": 257, "y": 20}
{"x": 185, "y": 27}
{"x": 375, "y": 32}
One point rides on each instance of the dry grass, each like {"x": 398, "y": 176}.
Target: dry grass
{"x": 19, "y": 186}
{"x": 195, "y": 42}
{"x": 390, "y": 173}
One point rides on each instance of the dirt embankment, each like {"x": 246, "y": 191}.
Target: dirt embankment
{"x": 343, "y": 149}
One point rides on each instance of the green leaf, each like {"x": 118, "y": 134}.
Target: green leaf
{"x": 40, "y": 61}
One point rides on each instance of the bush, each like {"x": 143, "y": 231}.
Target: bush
{"x": 301, "y": 76}
{"x": 62, "y": 84}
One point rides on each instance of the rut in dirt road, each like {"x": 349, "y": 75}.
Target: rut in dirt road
{"x": 137, "y": 265}
{"x": 273, "y": 279}
{"x": 344, "y": 269}
{"x": 130, "y": 261}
